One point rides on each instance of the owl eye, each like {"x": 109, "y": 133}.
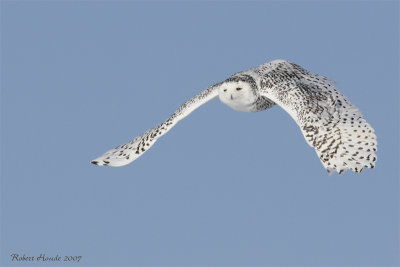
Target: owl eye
{"x": 224, "y": 90}
{"x": 238, "y": 89}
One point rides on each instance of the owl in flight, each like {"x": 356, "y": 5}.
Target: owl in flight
{"x": 331, "y": 124}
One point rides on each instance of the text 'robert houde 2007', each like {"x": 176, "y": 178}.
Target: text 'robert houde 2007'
{"x": 44, "y": 258}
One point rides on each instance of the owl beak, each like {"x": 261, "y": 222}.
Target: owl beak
{"x": 231, "y": 97}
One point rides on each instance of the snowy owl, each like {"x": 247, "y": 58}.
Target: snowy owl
{"x": 331, "y": 124}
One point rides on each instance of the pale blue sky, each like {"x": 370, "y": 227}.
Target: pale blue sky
{"x": 222, "y": 187}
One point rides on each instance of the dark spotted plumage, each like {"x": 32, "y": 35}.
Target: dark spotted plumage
{"x": 136, "y": 147}
{"x": 329, "y": 122}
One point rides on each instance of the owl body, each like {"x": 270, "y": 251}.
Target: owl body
{"x": 329, "y": 122}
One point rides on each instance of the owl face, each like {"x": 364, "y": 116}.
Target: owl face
{"x": 239, "y": 95}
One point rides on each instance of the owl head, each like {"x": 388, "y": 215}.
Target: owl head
{"x": 239, "y": 92}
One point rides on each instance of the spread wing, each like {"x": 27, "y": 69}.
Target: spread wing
{"x": 329, "y": 122}
{"x": 126, "y": 153}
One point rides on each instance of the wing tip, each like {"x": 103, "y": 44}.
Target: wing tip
{"x": 100, "y": 162}
{"x": 357, "y": 169}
